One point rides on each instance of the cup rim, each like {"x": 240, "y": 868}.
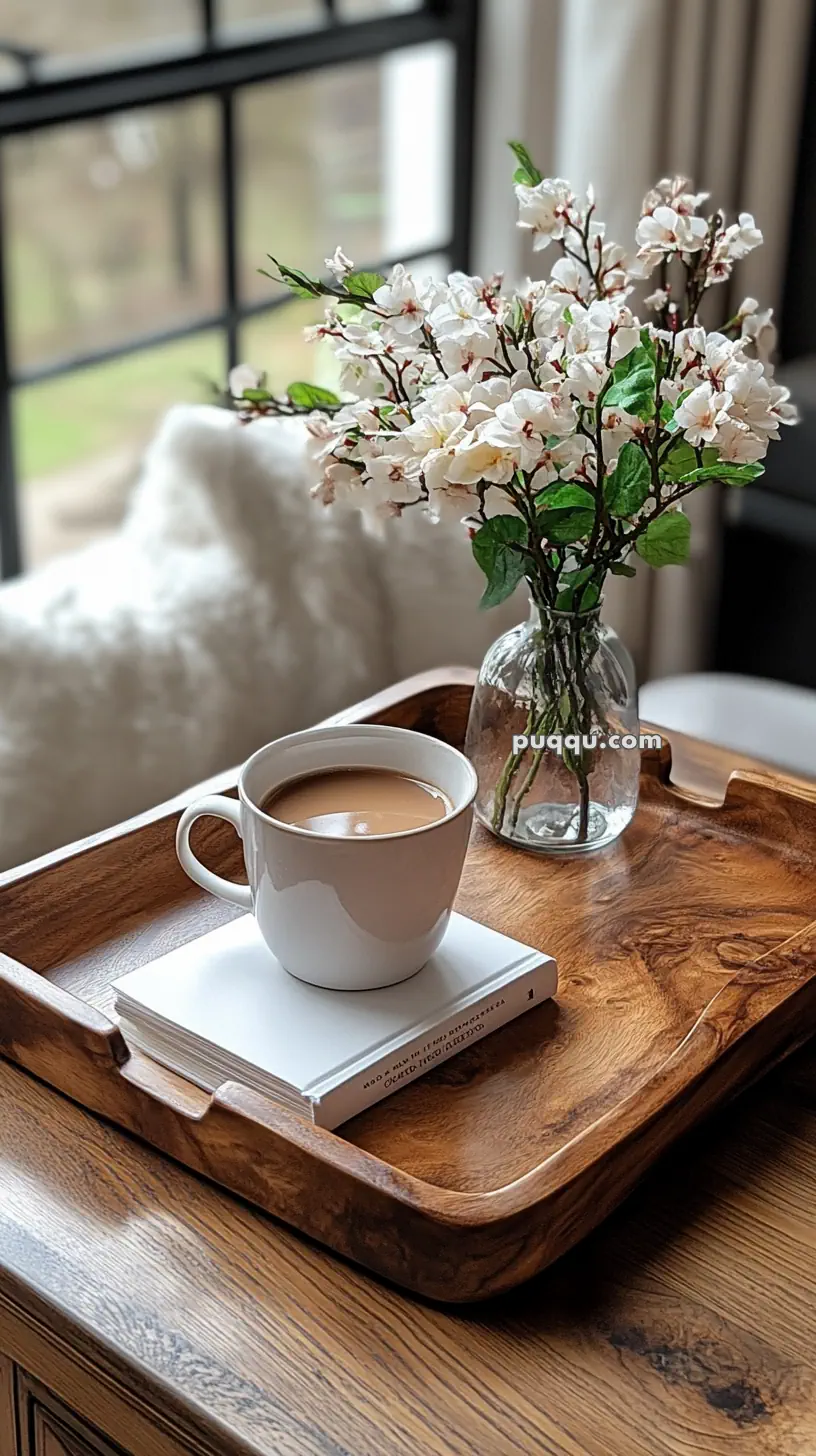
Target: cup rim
{"x": 373, "y": 730}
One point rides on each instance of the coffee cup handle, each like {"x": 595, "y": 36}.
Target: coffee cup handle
{"x": 219, "y": 807}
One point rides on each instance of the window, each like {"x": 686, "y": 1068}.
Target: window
{"x": 151, "y": 154}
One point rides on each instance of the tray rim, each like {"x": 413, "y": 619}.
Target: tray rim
{"x": 785, "y": 974}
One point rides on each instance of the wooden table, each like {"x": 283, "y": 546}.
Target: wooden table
{"x": 143, "y": 1309}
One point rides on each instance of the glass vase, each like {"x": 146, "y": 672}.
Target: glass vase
{"x": 553, "y": 734}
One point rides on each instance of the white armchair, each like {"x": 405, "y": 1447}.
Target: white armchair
{"x": 228, "y": 609}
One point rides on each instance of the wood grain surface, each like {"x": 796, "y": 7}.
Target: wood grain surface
{"x": 688, "y": 961}
{"x": 8, "y": 1417}
{"x": 176, "y": 1317}
{"x": 50, "y": 1428}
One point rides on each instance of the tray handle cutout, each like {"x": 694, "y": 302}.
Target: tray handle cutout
{"x": 40, "y": 1019}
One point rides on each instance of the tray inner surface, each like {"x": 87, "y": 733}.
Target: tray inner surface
{"x": 645, "y": 934}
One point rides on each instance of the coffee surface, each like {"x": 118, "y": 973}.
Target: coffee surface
{"x": 349, "y": 803}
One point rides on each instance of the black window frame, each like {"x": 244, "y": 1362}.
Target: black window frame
{"x": 221, "y": 70}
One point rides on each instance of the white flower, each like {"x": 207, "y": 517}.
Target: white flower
{"x": 613, "y": 267}
{"x": 571, "y": 279}
{"x": 747, "y": 307}
{"x": 689, "y": 350}
{"x": 720, "y": 353}
{"x": 472, "y": 283}
{"x": 618, "y": 429}
{"x": 585, "y": 378}
{"x": 539, "y": 411}
{"x": 437, "y": 418}
{"x": 363, "y": 377}
{"x": 671, "y": 389}
{"x": 577, "y": 336}
{"x": 575, "y": 456}
{"x": 339, "y": 265}
{"x": 657, "y": 300}
{"x": 356, "y": 338}
{"x": 478, "y": 458}
{"x": 468, "y": 408}
{"x": 546, "y": 471}
{"x": 750, "y": 394}
{"x": 720, "y": 263}
{"x": 671, "y": 231}
{"x": 604, "y": 319}
{"x": 399, "y": 300}
{"x": 323, "y": 436}
{"x": 701, "y": 414}
{"x": 395, "y": 476}
{"x": 466, "y": 346}
{"x": 338, "y": 483}
{"x": 242, "y": 377}
{"x": 742, "y": 237}
{"x": 543, "y": 209}
{"x": 485, "y": 397}
{"x": 674, "y": 192}
{"x": 523, "y": 446}
{"x": 379, "y": 443}
{"x": 737, "y": 444}
{"x": 447, "y": 500}
{"x": 781, "y": 407}
{"x": 460, "y": 311}
{"x": 359, "y": 412}
{"x": 548, "y": 319}
{"x": 758, "y": 327}
{"x": 356, "y": 348}
{"x": 647, "y": 260}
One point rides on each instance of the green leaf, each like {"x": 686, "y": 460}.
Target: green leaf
{"x": 364, "y": 285}
{"x": 518, "y": 318}
{"x": 626, "y": 489}
{"x": 589, "y": 597}
{"x": 570, "y": 583}
{"x": 256, "y": 396}
{"x": 620, "y": 568}
{"x": 561, "y": 497}
{"x": 577, "y": 578}
{"x": 665, "y": 542}
{"x": 567, "y": 514}
{"x": 564, "y": 527}
{"x": 492, "y": 548}
{"x": 725, "y": 471}
{"x": 297, "y": 282}
{"x": 648, "y": 343}
{"x": 311, "y": 396}
{"x": 580, "y": 596}
{"x": 669, "y": 410}
{"x": 528, "y": 172}
{"x": 564, "y": 706}
{"x": 633, "y": 384}
{"x": 631, "y": 363}
{"x": 681, "y": 460}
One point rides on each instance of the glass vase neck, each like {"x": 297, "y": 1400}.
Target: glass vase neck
{"x": 547, "y": 619}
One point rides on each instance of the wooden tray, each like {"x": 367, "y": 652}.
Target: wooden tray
{"x": 688, "y": 965}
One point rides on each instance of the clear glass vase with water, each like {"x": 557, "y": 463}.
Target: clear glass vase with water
{"x": 553, "y": 734}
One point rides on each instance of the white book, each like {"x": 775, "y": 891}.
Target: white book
{"x": 222, "y": 1008}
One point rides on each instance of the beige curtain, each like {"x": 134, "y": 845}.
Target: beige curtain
{"x": 620, "y": 92}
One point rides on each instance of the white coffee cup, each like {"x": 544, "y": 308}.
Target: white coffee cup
{"x": 348, "y": 914}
